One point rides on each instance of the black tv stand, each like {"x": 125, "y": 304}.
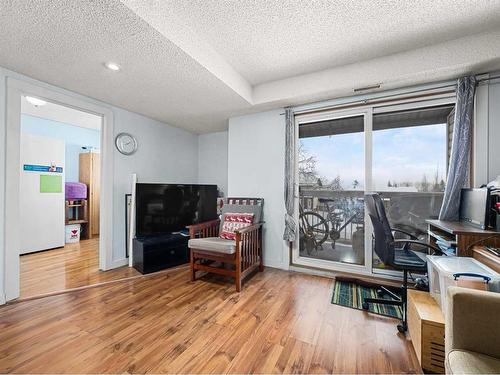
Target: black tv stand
{"x": 155, "y": 253}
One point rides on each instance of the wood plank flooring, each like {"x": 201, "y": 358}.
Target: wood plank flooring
{"x": 74, "y": 265}
{"x": 281, "y": 322}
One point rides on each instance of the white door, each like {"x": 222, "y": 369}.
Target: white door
{"x": 41, "y": 193}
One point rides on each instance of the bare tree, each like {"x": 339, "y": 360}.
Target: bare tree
{"x": 307, "y": 166}
{"x": 336, "y": 184}
{"x": 424, "y": 185}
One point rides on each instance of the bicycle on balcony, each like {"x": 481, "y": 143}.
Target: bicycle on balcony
{"x": 340, "y": 213}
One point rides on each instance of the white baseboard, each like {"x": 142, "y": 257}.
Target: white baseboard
{"x": 118, "y": 263}
{"x": 315, "y": 272}
{"x": 275, "y": 264}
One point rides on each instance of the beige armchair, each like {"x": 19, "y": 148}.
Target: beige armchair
{"x": 472, "y": 338}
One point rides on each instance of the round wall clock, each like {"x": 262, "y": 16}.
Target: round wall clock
{"x": 126, "y": 143}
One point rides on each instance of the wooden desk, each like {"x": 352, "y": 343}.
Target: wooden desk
{"x": 426, "y": 329}
{"x": 488, "y": 259}
{"x": 461, "y": 234}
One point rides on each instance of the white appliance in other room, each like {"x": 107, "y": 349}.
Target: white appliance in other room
{"x": 41, "y": 193}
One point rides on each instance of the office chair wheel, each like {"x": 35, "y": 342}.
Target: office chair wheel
{"x": 402, "y": 328}
{"x": 365, "y": 306}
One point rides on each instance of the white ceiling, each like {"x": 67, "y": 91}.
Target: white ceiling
{"x": 269, "y": 40}
{"x": 195, "y": 63}
{"x": 60, "y": 113}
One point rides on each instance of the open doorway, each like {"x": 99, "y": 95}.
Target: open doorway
{"x": 61, "y": 268}
{"x": 59, "y": 187}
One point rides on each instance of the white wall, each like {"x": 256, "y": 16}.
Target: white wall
{"x": 165, "y": 154}
{"x": 256, "y": 164}
{"x": 494, "y": 130}
{"x": 487, "y": 132}
{"x": 212, "y": 159}
{"x": 3, "y": 82}
{"x": 256, "y": 160}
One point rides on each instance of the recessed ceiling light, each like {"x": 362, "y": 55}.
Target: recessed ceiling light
{"x": 112, "y": 66}
{"x": 35, "y": 101}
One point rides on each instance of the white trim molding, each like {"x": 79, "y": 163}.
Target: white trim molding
{"x": 119, "y": 263}
{"x": 15, "y": 89}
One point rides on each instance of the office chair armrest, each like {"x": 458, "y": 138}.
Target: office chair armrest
{"x": 436, "y": 250}
{"x": 413, "y": 237}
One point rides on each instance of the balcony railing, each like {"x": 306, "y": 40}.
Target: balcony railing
{"x": 341, "y": 214}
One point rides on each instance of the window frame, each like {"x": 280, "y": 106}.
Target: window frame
{"x": 368, "y": 110}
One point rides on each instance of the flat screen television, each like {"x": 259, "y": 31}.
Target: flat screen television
{"x": 474, "y": 207}
{"x": 167, "y": 208}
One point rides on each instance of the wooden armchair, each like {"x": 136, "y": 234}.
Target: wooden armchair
{"x": 237, "y": 258}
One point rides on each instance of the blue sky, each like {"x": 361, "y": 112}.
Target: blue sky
{"x": 401, "y": 154}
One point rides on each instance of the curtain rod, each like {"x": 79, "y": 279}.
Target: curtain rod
{"x": 358, "y": 103}
{"x": 377, "y": 100}
{"x": 488, "y": 78}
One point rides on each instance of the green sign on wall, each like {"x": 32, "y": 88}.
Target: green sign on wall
{"x": 50, "y": 183}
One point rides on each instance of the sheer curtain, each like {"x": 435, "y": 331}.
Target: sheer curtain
{"x": 458, "y": 171}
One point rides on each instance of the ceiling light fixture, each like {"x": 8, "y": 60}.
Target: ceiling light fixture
{"x": 112, "y": 66}
{"x": 35, "y": 101}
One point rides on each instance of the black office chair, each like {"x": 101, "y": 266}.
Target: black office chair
{"x": 395, "y": 253}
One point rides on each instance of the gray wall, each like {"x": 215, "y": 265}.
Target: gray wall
{"x": 212, "y": 159}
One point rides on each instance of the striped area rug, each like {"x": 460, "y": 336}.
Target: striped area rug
{"x": 351, "y": 295}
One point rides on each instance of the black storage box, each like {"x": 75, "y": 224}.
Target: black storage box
{"x": 156, "y": 253}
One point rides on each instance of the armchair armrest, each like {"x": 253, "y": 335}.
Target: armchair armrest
{"x": 436, "y": 250}
{"x": 204, "y": 228}
{"x": 413, "y": 237}
{"x": 249, "y": 228}
{"x": 472, "y": 321}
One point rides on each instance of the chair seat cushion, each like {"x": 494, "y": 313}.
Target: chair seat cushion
{"x": 410, "y": 259}
{"x": 468, "y": 362}
{"x": 215, "y": 244}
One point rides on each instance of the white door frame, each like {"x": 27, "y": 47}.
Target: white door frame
{"x": 15, "y": 89}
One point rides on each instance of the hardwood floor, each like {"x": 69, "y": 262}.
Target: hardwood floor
{"x": 281, "y": 322}
{"x": 73, "y": 266}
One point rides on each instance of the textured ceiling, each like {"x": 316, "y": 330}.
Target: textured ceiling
{"x": 65, "y": 43}
{"x": 269, "y": 40}
{"x": 195, "y": 63}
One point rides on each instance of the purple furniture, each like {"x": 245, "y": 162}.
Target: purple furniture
{"x": 76, "y": 190}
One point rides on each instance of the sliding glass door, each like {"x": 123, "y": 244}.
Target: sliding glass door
{"x": 400, "y": 151}
{"x": 410, "y": 150}
{"x": 332, "y": 180}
